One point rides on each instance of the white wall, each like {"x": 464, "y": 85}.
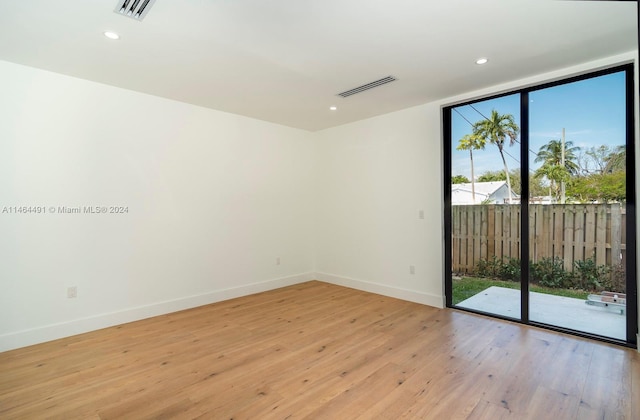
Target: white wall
{"x": 213, "y": 200}
{"x": 377, "y": 175}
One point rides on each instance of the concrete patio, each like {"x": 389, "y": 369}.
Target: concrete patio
{"x": 549, "y": 309}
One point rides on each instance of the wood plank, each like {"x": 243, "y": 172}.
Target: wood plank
{"x": 484, "y": 234}
{"x": 558, "y": 230}
{"x": 590, "y": 231}
{"x": 505, "y": 227}
{"x": 634, "y": 369}
{"x": 477, "y": 235}
{"x": 616, "y": 234}
{"x": 485, "y": 410}
{"x": 546, "y": 235}
{"x": 470, "y": 241}
{"x": 491, "y": 231}
{"x": 578, "y": 234}
{"x": 464, "y": 239}
{"x": 573, "y": 355}
{"x": 534, "y": 233}
{"x": 554, "y": 404}
{"x": 601, "y": 235}
{"x": 455, "y": 239}
{"x": 514, "y": 250}
{"x": 316, "y": 350}
{"x": 568, "y": 236}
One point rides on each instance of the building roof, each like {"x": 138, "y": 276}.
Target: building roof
{"x": 489, "y": 192}
{"x": 482, "y": 188}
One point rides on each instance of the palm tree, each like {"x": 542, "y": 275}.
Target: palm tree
{"x": 471, "y": 142}
{"x": 552, "y": 167}
{"x": 556, "y": 174}
{"x": 551, "y": 154}
{"x": 496, "y": 129}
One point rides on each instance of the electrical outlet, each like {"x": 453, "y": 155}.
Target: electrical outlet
{"x": 421, "y": 214}
{"x": 72, "y": 292}
{"x": 277, "y": 260}
{"x": 412, "y": 269}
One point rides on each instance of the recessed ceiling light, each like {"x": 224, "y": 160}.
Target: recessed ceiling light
{"x": 482, "y": 60}
{"x": 111, "y": 35}
{"x": 333, "y": 108}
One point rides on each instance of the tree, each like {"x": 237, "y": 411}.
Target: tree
{"x": 596, "y": 158}
{"x": 471, "y": 142}
{"x": 556, "y": 174}
{"x": 603, "y": 159}
{"x": 496, "y": 129}
{"x": 551, "y": 154}
{"x": 603, "y": 179}
{"x": 537, "y": 188}
{"x": 459, "y": 179}
{"x": 601, "y": 188}
{"x": 616, "y": 160}
{"x": 493, "y": 176}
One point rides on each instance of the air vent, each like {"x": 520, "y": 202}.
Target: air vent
{"x": 368, "y": 86}
{"x": 135, "y": 9}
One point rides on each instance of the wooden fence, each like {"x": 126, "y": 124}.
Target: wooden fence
{"x": 572, "y": 232}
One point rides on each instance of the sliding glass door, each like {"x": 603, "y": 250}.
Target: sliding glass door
{"x": 577, "y": 215}
{"x": 540, "y": 206}
{"x": 485, "y": 213}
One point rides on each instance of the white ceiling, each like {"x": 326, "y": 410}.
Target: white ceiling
{"x": 285, "y": 60}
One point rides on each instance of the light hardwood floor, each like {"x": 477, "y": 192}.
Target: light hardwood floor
{"x": 320, "y": 351}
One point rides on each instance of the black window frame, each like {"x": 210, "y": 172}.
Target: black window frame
{"x": 631, "y": 230}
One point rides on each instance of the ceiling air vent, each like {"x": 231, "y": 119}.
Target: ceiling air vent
{"x": 135, "y": 9}
{"x": 368, "y": 86}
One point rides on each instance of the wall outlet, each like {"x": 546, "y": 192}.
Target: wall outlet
{"x": 277, "y": 260}
{"x": 421, "y": 214}
{"x": 412, "y": 269}
{"x": 72, "y": 292}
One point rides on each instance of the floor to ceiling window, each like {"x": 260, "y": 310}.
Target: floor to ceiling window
{"x": 540, "y": 204}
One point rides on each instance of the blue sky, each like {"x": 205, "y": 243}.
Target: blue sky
{"x": 592, "y": 112}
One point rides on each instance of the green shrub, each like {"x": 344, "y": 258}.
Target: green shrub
{"x": 510, "y": 270}
{"x": 590, "y": 276}
{"x": 488, "y": 268}
{"x": 497, "y": 269}
{"x": 550, "y": 272}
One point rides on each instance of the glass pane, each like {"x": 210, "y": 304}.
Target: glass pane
{"x": 577, "y": 211}
{"x": 485, "y": 197}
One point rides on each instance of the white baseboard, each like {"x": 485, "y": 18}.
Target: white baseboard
{"x": 50, "y": 332}
{"x": 382, "y": 289}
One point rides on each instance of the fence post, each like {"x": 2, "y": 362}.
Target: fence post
{"x": 491, "y": 231}
{"x": 601, "y": 235}
{"x": 616, "y": 234}
{"x": 568, "y": 229}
